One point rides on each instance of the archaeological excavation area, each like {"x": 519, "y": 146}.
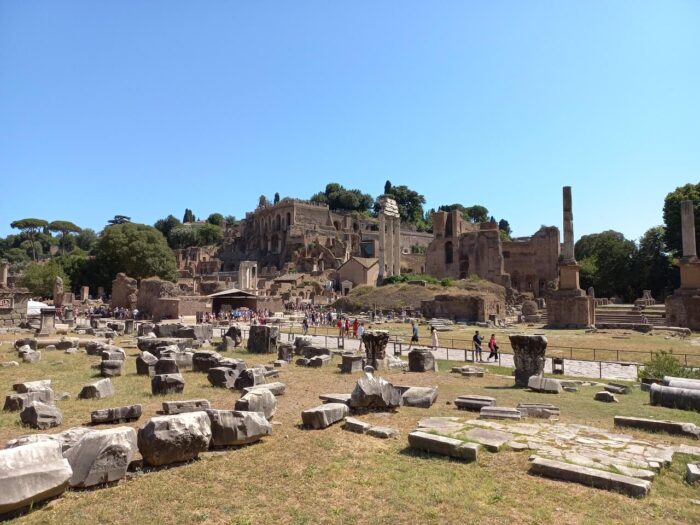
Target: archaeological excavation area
{"x": 256, "y": 424}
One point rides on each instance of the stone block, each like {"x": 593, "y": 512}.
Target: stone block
{"x": 101, "y": 456}
{"x": 146, "y": 364}
{"x": 492, "y": 412}
{"x": 40, "y": 415}
{"x": 383, "y": 432}
{"x": 474, "y": 403}
{"x": 335, "y": 398}
{"x": 677, "y": 428}
{"x": 319, "y": 361}
{"x": 262, "y": 339}
{"x": 324, "y": 415}
{"x": 421, "y": 360}
{"x": 115, "y": 415}
{"x": 203, "y": 360}
{"x": 166, "y": 365}
{"x": 605, "y": 397}
{"x": 692, "y": 472}
{"x": 419, "y": 396}
{"x": 544, "y": 384}
{"x": 276, "y": 388}
{"x": 250, "y": 377}
{"x": 442, "y": 446}
{"x": 175, "y": 438}
{"x": 260, "y": 400}
{"x": 617, "y": 389}
{"x": 351, "y": 363}
{"x": 111, "y": 368}
{"x": 17, "y": 402}
{"x": 355, "y": 425}
{"x": 222, "y": 377}
{"x": 233, "y": 427}
{"x": 30, "y": 474}
{"x": 491, "y": 440}
{"x": 181, "y": 407}
{"x": 539, "y": 410}
{"x": 164, "y": 384}
{"x": 97, "y": 390}
{"x": 31, "y": 386}
{"x": 590, "y": 477}
{"x": 373, "y": 392}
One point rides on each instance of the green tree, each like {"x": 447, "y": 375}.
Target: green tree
{"x": 119, "y": 219}
{"x": 208, "y": 234}
{"x": 340, "y": 199}
{"x": 165, "y": 226}
{"x": 64, "y": 228}
{"x": 188, "y": 217}
{"x": 654, "y": 265}
{"x": 30, "y": 227}
{"x": 672, "y": 216}
{"x": 387, "y": 187}
{"x": 276, "y": 198}
{"x": 410, "y": 203}
{"x": 504, "y": 226}
{"x": 183, "y": 236}
{"x": 74, "y": 265}
{"x": 613, "y": 258}
{"x": 216, "y": 219}
{"x": 137, "y": 250}
{"x": 39, "y": 278}
{"x": 230, "y": 220}
{"x": 477, "y": 213}
{"x": 86, "y": 239}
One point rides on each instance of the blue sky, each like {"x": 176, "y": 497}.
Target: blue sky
{"x": 146, "y": 108}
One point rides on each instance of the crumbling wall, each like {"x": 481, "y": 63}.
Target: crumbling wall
{"x": 150, "y": 291}
{"x": 466, "y": 308}
{"x": 124, "y": 292}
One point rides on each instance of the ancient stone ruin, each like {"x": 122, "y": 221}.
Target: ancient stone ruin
{"x": 528, "y": 355}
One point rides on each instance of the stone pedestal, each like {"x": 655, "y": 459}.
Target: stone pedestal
{"x": 84, "y": 293}
{"x": 528, "y": 356}
{"x": 690, "y": 273}
{"x": 375, "y": 347}
{"x": 421, "y": 360}
{"x": 570, "y": 309}
{"x": 128, "y": 326}
{"x": 48, "y": 322}
{"x": 262, "y": 339}
{"x": 68, "y": 316}
{"x": 683, "y": 309}
{"x": 569, "y": 277}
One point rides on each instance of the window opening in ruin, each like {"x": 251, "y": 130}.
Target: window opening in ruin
{"x": 448, "y": 253}
{"x": 448, "y": 226}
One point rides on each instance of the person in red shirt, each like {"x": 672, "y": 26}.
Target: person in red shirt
{"x": 355, "y": 326}
{"x": 493, "y": 348}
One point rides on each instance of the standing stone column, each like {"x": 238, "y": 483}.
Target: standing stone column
{"x": 382, "y": 245}
{"x": 568, "y": 247}
{"x": 688, "y": 229}
{"x": 397, "y": 246}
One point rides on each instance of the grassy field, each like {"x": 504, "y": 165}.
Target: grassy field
{"x": 331, "y": 476}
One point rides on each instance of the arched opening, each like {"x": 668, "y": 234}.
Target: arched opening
{"x": 289, "y": 219}
{"x": 448, "y": 226}
{"x": 449, "y": 256}
{"x": 279, "y": 223}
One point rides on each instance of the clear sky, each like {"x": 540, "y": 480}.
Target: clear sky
{"x": 146, "y": 108}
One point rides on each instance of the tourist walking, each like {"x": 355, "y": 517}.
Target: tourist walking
{"x": 360, "y": 333}
{"x": 477, "y": 339}
{"x": 434, "y": 337}
{"x": 414, "y": 334}
{"x": 493, "y": 348}
{"x": 305, "y": 325}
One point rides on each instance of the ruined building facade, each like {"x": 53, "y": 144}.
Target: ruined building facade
{"x": 461, "y": 248}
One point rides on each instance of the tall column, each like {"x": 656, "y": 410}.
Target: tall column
{"x": 382, "y": 245}
{"x": 4, "y": 272}
{"x": 397, "y": 246}
{"x": 688, "y": 229}
{"x": 568, "y": 248}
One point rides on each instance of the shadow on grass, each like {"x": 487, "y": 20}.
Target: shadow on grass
{"x": 421, "y": 454}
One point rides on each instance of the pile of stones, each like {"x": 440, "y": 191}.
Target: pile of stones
{"x": 34, "y": 400}
{"x": 42, "y": 466}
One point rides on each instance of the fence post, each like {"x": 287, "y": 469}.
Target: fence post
{"x": 618, "y": 354}
{"x": 465, "y": 355}
{"x": 600, "y": 368}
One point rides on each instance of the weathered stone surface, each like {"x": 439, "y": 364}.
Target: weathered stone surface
{"x": 375, "y": 342}
{"x": 372, "y": 392}
{"x": 262, "y": 339}
{"x": 222, "y": 377}
{"x": 146, "y": 364}
{"x": 260, "y": 400}
{"x": 101, "y": 456}
{"x": 419, "y": 396}
{"x": 605, "y": 397}
{"x": 383, "y": 432}
{"x": 672, "y": 397}
{"x": 617, "y": 389}
{"x": 302, "y": 361}
{"x": 115, "y": 415}
{"x": 172, "y": 439}
{"x": 312, "y": 351}
{"x": 301, "y": 342}
{"x": 203, "y": 360}
{"x": 659, "y": 425}
{"x": 528, "y": 356}
{"x": 324, "y": 415}
{"x": 16, "y": 402}
{"x": 234, "y": 333}
{"x": 692, "y": 472}
{"x": 40, "y": 415}
{"x": 111, "y": 368}
{"x": 234, "y": 364}
{"x": 276, "y": 388}
{"x": 250, "y": 377}
{"x": 335, "y": 398}
{"x": 681, "y": 382}
{"x": 26, "y": 341}
{"x": 351, "y": 363}
{"x": 285, "y": 352}
{"x": 492, "y": 412}
{"x": 233, "y": 427}
{"x": 279, "y": 363}
{"x": 30, "y": 474}
{"x": 421, "y": 360}
{"x": 31, "y": 356}
{"x": 544, "y": 384}
{"x": 111, "y": 352}
{"x": 166, "y": 365}
{"x": 475, "y": 403}
{"x": 355, "y": 425}
{"x": 590, "y": 477}
{"x": 154, "y": 345}
{"x": 97, "y": 390}
{"x": 442, "y": 446}
{"x": 492, "y": 440}
{"x": 31, "y": 386}
{"x": 319, "y": 361}
{"x": 167, "y": 384}
{"x": 539, "y": 410}
{"x": 66, "y": 439}
{"x": 181, "y": 407}
{"x": 469, "y": 371}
